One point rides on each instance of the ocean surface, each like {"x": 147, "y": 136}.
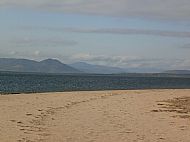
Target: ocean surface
{"x": 30, "y": 83}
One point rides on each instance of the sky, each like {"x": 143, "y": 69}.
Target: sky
{"x": 121, "y": 33}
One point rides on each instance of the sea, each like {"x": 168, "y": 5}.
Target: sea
{"x": 13, "y": 83}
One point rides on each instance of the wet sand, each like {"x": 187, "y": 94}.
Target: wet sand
{"x": 100, "y": 116}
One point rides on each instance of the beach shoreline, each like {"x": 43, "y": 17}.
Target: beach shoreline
{"x": 94, "y": 116}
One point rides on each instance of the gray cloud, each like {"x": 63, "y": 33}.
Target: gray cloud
{"x": 157, "y": 9}
{"x": 186, "y": 46}
{"x": 40, "y": 42}
{"x": 124, "y": 31}
{"x": 181, "y": 34}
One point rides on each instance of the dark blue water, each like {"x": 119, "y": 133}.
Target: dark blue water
{"x": 27, "y": 83}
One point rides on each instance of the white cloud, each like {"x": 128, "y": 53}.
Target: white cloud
{"x": 159, "y": 9}
{"x": 37, "y": 53}
{"x": 103, "y": 59}
{"x": 131, "y": 61}
{"x": 13, "y": 53}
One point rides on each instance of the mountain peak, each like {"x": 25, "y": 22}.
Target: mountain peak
{"x": 50, "y": 61}
{"x": 45, "y": 66}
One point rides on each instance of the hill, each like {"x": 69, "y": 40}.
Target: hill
{"x": 45, "y": 66}
{"x": 178, "y": 72}
{"x": 97, "y": 69}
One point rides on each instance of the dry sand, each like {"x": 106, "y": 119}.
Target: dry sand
{"x": 104, "y": 116}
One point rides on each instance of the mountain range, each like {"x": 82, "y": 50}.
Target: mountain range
{"x": 97, "y": 69}
{"x": 45, "y": 66}
{"x": 55, "y": 66}
{"x": 177, "y": 72}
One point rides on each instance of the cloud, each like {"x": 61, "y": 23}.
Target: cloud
{"x": 119, "y": 31}
{"x": 13, "y": 53}
{"x": 186, "y": 46}
{"x": 156, "y": 9}
{"x": 103, "y": 59}
{"x": 39, "y": 42}
{"x": 181, "y": 34}
{"x": 132, "y": 61}
{"x": 37, "y": 53}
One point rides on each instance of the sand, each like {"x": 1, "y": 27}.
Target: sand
{"x": 100, "y": 116}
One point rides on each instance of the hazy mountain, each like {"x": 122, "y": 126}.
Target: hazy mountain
{"x": 98, "y": 69}
{"x": 55, "y": 66}
{"x": 45, "y": 66}
{"x": 178, "y": 72}
{"x": 89, "y": 68}
{"x": 144, "y": 70}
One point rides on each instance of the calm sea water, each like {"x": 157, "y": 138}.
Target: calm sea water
{"x": 20, "y": 83}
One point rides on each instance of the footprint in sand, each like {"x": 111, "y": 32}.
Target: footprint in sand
{"x": 13, "y": 120}
{"x": 28, "y": 114}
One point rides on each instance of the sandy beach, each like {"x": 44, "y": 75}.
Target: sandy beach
{"x": 99, "y": 116}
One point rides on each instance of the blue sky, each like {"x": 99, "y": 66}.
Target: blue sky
{"x": 121, "y": 33}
